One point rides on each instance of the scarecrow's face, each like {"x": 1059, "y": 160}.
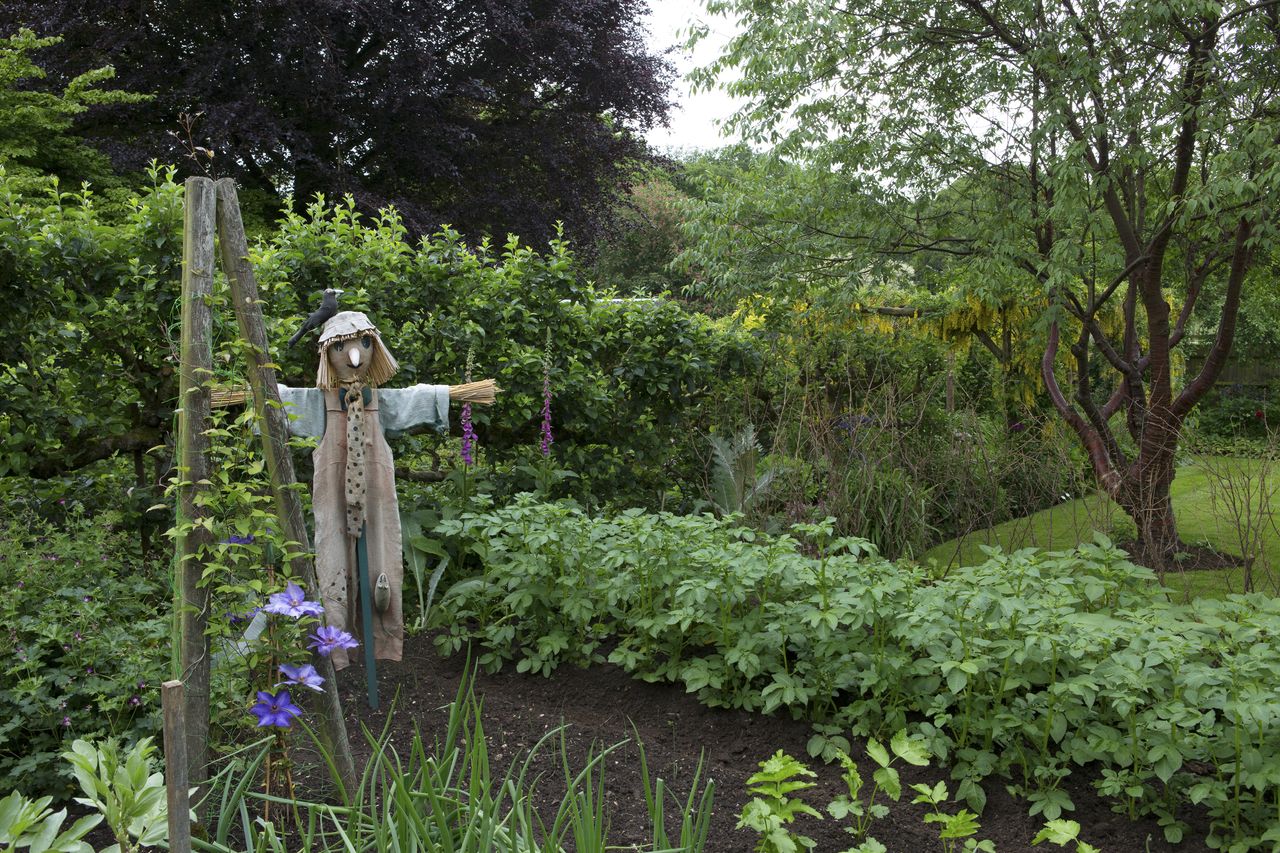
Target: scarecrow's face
{"x": 349, "y": 360}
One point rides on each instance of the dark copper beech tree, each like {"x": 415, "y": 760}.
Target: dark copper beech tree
{"x": 1114, "y": 161}
{"x": 491, "y": 116}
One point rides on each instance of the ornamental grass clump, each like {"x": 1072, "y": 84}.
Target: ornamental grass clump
{"x": 441, "y": 794}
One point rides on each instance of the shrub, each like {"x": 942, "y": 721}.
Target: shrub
{"x": 93, "y": 296}
{"x": 84, "y": 645}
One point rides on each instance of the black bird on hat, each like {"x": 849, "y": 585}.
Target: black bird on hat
{"x": 328, "y": 307}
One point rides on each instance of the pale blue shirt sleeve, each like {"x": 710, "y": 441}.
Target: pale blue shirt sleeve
{"x": 305, "y": 406}
{"x": 401, "y": 409}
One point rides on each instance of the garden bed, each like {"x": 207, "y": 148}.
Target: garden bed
{"x": 600, "y": 705}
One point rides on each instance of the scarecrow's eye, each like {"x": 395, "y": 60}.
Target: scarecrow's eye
{"x": 366, "y": 341}
{"x": 339, "y": 345}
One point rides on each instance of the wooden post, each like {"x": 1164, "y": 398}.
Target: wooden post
{"x": 275, "y": 449}
{"x": 193, "y": 468}
{"x": 366, "y": 617}
{"x": 175, "y": 767}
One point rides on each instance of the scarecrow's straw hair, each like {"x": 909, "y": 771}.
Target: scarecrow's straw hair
{"x": 382, "y": 364}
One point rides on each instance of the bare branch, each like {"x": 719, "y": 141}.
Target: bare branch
{"x": 1216, "y": 360}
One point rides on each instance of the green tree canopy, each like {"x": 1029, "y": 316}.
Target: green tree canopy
{"x": 1103, "y": 156}
{"x": 35, "y": 124}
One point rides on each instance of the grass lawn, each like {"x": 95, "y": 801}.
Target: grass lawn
{"x": 1203, "y": 515}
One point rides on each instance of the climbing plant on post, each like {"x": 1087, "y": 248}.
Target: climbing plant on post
{"x": 204, "y": 217}
{"x": 275, "y": 450}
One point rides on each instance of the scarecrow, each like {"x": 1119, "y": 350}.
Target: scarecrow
{"x": 357, "y": 517}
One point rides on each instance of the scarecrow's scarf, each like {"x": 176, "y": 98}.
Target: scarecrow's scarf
{"x": 354, "y": 396}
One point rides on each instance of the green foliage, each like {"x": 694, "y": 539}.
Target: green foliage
{"x": 852, "y": 409}
{"x": 35, "y": 125}
{"x": 1024, "y": 667}
{"x": 636, "y": 255}
{"x": 90, "y": 298}
{"x": 1062, "y": 833}
{"x": 86, "y": 355}
{"x": 962, "y": 825}
{"x": 1230, "y": 414}
{"x": 772, "y": 809}
{"x": 626, "y": 376}
{"x": 123, "y": 789}
{"x": 31, "y": 824}
{"x": 84, "y": 644}
{"x": 737, "y": 484}
{"x": 884, "y": 779}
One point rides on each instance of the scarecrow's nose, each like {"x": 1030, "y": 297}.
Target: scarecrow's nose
{"x": 354, "y": 355}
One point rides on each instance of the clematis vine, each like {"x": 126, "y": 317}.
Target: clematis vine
{"x": 293, "y": 603}
{"x": 324, "y": 640}
{"x": 304, "y": 675}
{"x": 275, "y": 709}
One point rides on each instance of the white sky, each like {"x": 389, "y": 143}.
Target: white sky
{"x": 693, "y": 117}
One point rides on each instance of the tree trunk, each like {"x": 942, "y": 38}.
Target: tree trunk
{"x": 1148, "y": 503}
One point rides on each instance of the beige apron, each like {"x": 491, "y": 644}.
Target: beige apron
{"x": 335, "y": 551}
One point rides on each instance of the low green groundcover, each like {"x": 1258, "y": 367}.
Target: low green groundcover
{"x": 1021, "y": 669}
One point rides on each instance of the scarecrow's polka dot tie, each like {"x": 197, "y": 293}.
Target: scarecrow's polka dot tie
{"x": 355, "y": 457}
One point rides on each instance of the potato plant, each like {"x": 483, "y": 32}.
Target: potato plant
{"x": 1023, "y": 669}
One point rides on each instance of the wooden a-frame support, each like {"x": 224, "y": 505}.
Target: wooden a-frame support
{"x": 210, "y": 207}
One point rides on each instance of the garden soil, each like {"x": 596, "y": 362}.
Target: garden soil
{"x": 601, "y": 705}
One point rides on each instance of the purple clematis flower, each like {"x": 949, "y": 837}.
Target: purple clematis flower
{"x": 293, "y": 603}
{"x": 275, "y": 710}
{"x": 304, "y": 675}
{"x": 325, "y": 640}
{"x": 233, "y": 539}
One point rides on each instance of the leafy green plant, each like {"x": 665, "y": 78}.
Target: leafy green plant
{"x": 953, "y": 828}
{"x": 772, "y": 809}
{"x": 737, "y": 484}
{"x": 84, "y": 643}
{"x": 123, "y": 789}
{"x": 1063, "y": 833}
{"x": 885, "y": 779}
{"x": 1025, "y": 668}
{"x": 33, "y": 825}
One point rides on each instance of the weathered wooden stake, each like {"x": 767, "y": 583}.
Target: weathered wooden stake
{"x": 193, "y": 468}
{"x": 175, "y": 767}
{"x": 275, "y": 436}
